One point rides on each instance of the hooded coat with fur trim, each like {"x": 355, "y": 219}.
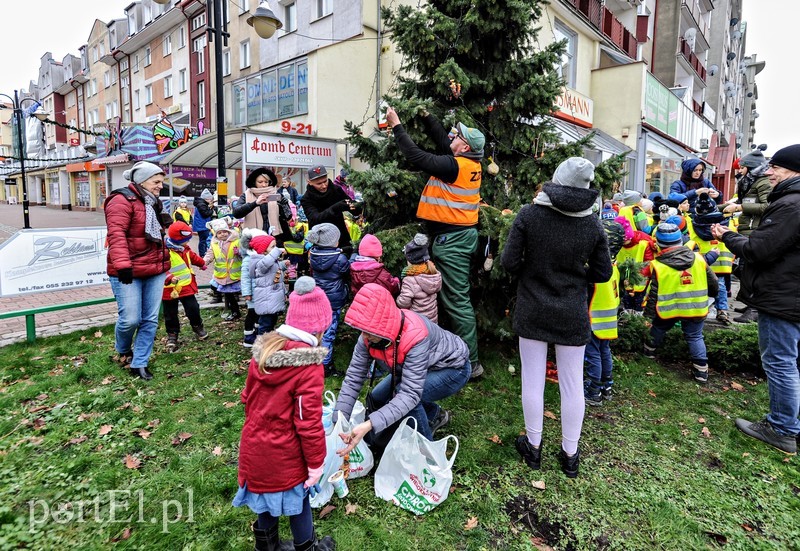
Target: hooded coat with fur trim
{"x": 282, "y": 436}
{"x": 424, "y": 347}
{"x": 418, "y": 294}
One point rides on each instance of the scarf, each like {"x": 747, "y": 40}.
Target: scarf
{"x": 294, "y": 334}
{"x": 544, "y": 200}
{"x": 255, "y": 218}
{"x": 174, "y": 246}
{"x": 415, "y": 269}
{"x": 152, "y": 227}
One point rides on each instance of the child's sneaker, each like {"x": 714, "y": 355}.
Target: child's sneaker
{"x": 200, "y": 332}
{"x": 700, "y": 373}
{"x": 606, "y": 390}
{"x": 249, "y": 338}
{"x": 649, "y": 352}
{"x": 592, "y": 394}
{"x": 172, "y": 342}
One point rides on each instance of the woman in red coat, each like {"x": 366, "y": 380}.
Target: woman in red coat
{"x": 137, "y": 262}
{"x": 282, "y": 450}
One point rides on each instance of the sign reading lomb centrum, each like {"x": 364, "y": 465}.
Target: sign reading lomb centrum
{"x": 269, "y": 150}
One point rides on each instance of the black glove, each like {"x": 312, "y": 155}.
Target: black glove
{"x": 125, "y": 276}
{"x": 341, "y": 206}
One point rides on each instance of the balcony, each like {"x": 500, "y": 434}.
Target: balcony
{"x": 697, "y": 107}
{"x": 691, "y": 9}
{"x": 606, "y": 22}
{"x": 686, "y": 51}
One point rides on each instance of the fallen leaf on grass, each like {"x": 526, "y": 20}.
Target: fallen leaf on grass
{"x": 154, "y": 423}
{"x": 539, "y": 484}
{"x": 176, "y": 400}
{"x": 229, "y": 404}
{"x": 787, "y": 459}
{"x": 651, "y": 393}
{"x": 747, "y": 527}
{"x": 77, "y": 440}
{"x": 141, "y": 433}
{"x": 40, "y": 408}
{"x": 685, "y": 432}
{"x": 188, "y": 374}
{"x": 123, "y": 536}
{"x": 746, "y": 454}
{"x": 137, "y": 409}
{"x": 41, "y": 397}
{"x": 87, "y": 416}
{"x": 35, "y": 441}
{"x": 83, "y": 338}
{"x": 108, "y": 380}
{"x": 550, "y": 415}
{"x": 181, "y": 438}
{"x": 540, "y": 544}
{"x": 39, "y": 423}
{"x": 217, "y": 451}
{"x": 132, "y": 462}
{"x": 705, "y": 432}
{"x": 327, "y": 510}
{"x": 471, "y": 523}
{"x": 37, "y": 358}
{"x": 701, "y": 420}
{"x": 350, "y": 508}
{"x": 98, "y": 334}
{"x": 737, "y": 386}
{"x": 719, "y": 538}
{"x": 649, "y": 373}
{"x": 124, "y": 406}
{"x": 105, "y": 429}
{"x": 496, "y": 439}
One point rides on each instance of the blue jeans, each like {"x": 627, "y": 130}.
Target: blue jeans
{"x": 330, "y": 335}
{"x": 266, "y": 323}
{"x": 722, "y": 294}
{"x": 597, "y": 358}
{"x": 137, "y": 309}
{"x": 692, "y": 332}
{"x": 778, "y": 340}
{"x": 439, "y": 384}
{"x": 203, "y": 242}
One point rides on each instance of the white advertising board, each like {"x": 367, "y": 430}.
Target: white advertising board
{"x": 52, "y": 259}
{"x": 267, "y": 150}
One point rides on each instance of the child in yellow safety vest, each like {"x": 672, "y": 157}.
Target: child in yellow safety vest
{"x": 680, "y": 285}
{"x": 180, "y": 285}
{"x": 604, "y": 301}
{"x": 640, "y": 247}
{"x": 705, "y": 215}
{"x": 224, "y": 253}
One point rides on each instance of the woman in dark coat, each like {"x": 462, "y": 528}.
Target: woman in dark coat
{"x": 138, "y": 261}
{"x": 556, "y": 248}
{"x": 262, "y": 205}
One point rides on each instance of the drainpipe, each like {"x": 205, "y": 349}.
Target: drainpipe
{"x": 378, "y": 66}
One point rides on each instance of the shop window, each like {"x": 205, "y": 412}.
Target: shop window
{"x": 567, "y": 68}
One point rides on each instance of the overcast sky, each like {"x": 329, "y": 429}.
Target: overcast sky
{"x": 61, "y": 26}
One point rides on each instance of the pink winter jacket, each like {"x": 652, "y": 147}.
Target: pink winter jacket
{"x": 418, "y": 294}
{"x": 367, "y": 270}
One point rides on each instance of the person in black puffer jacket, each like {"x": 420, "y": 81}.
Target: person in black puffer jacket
{"x": 556, "y": 248}
{"x": 324, "y": 202}
{"x": 771, "y": 285}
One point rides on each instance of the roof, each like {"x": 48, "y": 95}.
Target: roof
{"x": 202, "y": 152}
{"x": 600, "y": 140}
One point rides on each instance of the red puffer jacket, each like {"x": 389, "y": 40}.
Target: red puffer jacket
{"x": 127, "y": 245}
{"x": 282, "y": 436}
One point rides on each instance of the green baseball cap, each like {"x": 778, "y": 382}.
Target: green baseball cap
{"x": 474, "y": 137}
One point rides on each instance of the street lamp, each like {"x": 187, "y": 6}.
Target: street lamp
{"x": 41, "y": 115}
{"x": 265, "y": 24}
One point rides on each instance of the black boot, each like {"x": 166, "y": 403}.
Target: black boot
{"x": 570, "y": 464}
{"x": 325, "y": 544}
{"x": 172, "y": 342}
{"x": 531, "y": 455}
{"x": 141, "y": 372}
{"x": 268, "y": 540}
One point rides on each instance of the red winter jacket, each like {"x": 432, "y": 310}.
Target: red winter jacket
{"x": 127, "y": 245}
{"x": 282, "y": 435}
{"x": 372, "y": 271}
{"x": 192, "y": 259}
{"x": 650, "y": 251}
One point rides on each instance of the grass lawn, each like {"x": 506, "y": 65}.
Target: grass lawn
{"x": 80, "y": 438}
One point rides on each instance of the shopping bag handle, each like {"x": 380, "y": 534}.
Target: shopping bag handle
{"x": 452, "y": 459}
{"x": 331, "y": 399}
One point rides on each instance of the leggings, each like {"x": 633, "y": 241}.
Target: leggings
{"x": 569, "y": 359}
{"x": 302, "y": 525}
{"x": 232, "y": 303}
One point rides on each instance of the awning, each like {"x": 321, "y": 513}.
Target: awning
{"x": 84, "y": 167}
{"x": 202, "y": 152}
{"x": 572, "y": 132}
{"x": 119, "y": 159}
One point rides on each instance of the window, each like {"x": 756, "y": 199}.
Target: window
{"x": 106, "y": 79}
{"x": 102, "y": 49}
{"x": 136, "y": 100}
{"x": 181, "y": 37}
{"x": 244, "y": 54}
{"x": 136, "y": 63}
{"x": 71, "y": 100}
{"x": 567, "y": 67}
{"x": 148, "y": 13}
{"x": 115, "y": 108}
{"x": 123, "y": 65}
{"x": 227, "y": 11}
{"x": 324, "y": 7}
{"x": 166, "y": 45}
{"x": 199, "y": 48}
{"x": 131, "y": 23}
{"x": 95, "y": 116}
{"x": 199, "y": 21}
{"x": 182, "y": 80}
{"x": 290, "y": 16}
{"x": 244, "y": 6}
{"x": 113, "y": 77}
{"x": 273, "y": 94}
{"x": 201, "y": 100}
{"x": 168, "y": 87}
{"x": 109, "y": 113}
{"x": 95, "y": 57}
{"x": 148, "y": 94}
{"x": 148, "y": 56}
{"x": 226, "y": 62}
{"x": 124, "y": 82}
{"x": 94, "y": 86}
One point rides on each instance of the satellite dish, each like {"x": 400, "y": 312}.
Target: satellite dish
{"x": 736, "y": 111}
{"x": 731, "y": 56}
{"x": 755, "y": 114}
{"x": 737, "y": 34}
{"x": 713, "y": 70}
{"x": 749, "y": 94}
{"x": 734, "y": 21}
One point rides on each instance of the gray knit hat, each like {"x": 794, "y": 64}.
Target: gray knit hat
{"x": 141, "y": 172}
{"x": 574, "y": 172}
{"x": 416, "y": 250}
{"x": 206, "y": 195}
{"x": 324, "y": 235}
{"x": 631, "y": 197}
{"x": 754, "y": 159}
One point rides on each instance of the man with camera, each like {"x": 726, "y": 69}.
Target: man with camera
{"x": 324, "y": 202}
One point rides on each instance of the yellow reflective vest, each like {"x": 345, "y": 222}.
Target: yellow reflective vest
{"x": 453, "y": 203}
{"x": 229, "y": 267}
{"x": 628, "y": 213}
{"x": 181, "y": 272}
{"x": 185, "y": 214}
{"x": 724, "y": 263}
{"x": 297, "y": 247}
{"x": 637, "y": 254}
{"x": 681, "y": 293}
{"x": 603, "y": 307}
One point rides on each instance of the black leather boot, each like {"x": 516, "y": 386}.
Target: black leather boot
{"x": 570, "y": 464}
{"x": 269, "y": 540}
{"x": 325, "y": 544}
{"x": 531, "y": 455}
{"x": 141, "y": 372}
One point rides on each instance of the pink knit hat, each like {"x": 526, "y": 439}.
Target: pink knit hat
{"x": 626, "y": 225}
{"x": 309, "y": 308}
{"x": 370, "y": 246}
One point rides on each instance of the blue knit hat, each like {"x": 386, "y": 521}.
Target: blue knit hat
{"x": 678, "y": 197}
{"x": 668, "y": 235}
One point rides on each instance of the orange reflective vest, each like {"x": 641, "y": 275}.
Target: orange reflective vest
{"x": 453, "y": 203}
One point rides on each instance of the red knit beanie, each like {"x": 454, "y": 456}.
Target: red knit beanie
{"x": 309, "y": 308}
{"x": 370, "y": 246}
{"x": 261, "y": 243}
{"x": 179, "y": 232}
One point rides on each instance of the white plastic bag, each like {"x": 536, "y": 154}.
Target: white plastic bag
{"x": 333, "y": 463}
{"x": 415, "y": 473}
{"x": 360, "y": 459}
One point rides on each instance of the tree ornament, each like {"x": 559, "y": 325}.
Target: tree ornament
{"x": 455, "y": 89}
{"x": 492, "y": 169}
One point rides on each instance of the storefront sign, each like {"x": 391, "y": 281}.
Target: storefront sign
{"x": 660, "y": 106}
{"x": 53, "y": 259}
{"x": 575, "y": 108}
{"x": 264, "y": 149}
